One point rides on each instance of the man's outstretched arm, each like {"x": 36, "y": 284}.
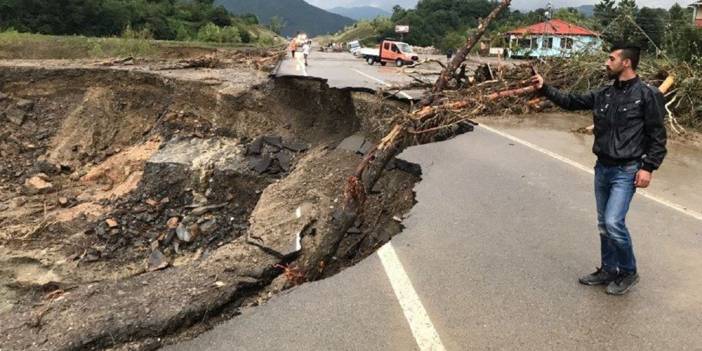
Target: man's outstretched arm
{"x": 566, "y": 101}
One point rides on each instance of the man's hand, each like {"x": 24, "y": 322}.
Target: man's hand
{"x": 537, "y": 81}
{"x": 643, "y": 178}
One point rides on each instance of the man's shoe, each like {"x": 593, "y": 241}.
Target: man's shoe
{"x": 600, "y": 277}
{"x": 623, "y": 283}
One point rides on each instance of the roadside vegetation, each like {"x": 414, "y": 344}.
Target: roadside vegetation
{"x": 124, "y": 27}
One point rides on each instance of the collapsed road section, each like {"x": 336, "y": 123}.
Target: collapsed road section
{"x": 138, "y": 200}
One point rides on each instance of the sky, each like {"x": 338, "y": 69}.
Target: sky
{"x": 516, "y": 4}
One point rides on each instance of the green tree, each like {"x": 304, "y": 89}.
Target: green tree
{"x": 572, "y": 15}
{"x": 209, "y": 33}
{"x": 652, "y": 22}
{"x": 229, "y": 34}
{"x": 604, "y": 13}
{"x": 276, "y": 24}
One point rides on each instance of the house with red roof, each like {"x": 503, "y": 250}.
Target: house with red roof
{"x": 552, "y": 38}
{"x": 697, "y": 13}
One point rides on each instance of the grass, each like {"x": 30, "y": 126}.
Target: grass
{"x": 15, "y": 45}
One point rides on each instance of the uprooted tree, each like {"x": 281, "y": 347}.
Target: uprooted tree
{"x": 433, "y": 120}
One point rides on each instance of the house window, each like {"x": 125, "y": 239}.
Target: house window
{"x": 524, "y": 43}
{"x": 567, "y": 43}
{"x": 547, "y": 43}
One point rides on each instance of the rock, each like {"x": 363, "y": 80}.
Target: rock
{"x": 152, "y": 202}
{"x": 366, "y": 147}
{"x": 45, "y": 166}
{"x": 25, "y": 105}
{"x": 355, "y": 143}
{"x": 199, "y": 211}
{"x": 262, "y": 164}
{"x": 37, "y": 185}
{"x": 284, "y": 160}
{"x": 42, "y": 176}
{"x": 295, "y": 146}
{"x": 157, "y": 261}
{"x": 276, "y": 141}
{"x": 3, "y": 96}
{"x": 17, "y": 202}
{"x": 172, "y": 223}
{"x": 199, "y": 200}
{"x": 354, "y": 230}
{"x": 255, "y": 147}
{"x": 405, "y": 166}
{"x": 111, "y": 222}
{"x": 183, "y": 233}
{"x": 91, "y": 255}
{"x": 194, "y": 231}
{"x": 16, "y": 116}
{"x": 208, "y": 227}
{"x": 185, "y": 164}
{"x": 284, "y": 237}
{"x": 63, "y": 201}
{"x": 169, "y": 237}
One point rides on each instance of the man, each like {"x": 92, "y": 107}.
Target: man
{"x": 630, "y": 140}
{"x": 293, "y": 45}
{"x": 306, "y": 49}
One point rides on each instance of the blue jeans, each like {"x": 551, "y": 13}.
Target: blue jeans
{"x": 614, "y": 189}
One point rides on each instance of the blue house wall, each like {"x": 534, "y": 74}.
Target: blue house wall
{"x": 537, "y": 47}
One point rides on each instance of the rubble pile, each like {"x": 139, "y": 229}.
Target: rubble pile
{"x": 128, "y": 188}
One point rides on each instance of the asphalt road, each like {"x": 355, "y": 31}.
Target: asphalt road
{"x": 493, "y": 250}
{"x": 493, "y": 247}
{"x": 343, "y": 70}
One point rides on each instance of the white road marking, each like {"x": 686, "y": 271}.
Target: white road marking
{"x": 422, "y": 328}
{"x": 402, "y": 93}
{"x": 644, "y": 193}
{"x": 300, "y": 64}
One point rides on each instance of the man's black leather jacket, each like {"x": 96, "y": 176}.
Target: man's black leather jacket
{"x": 628, "y": 118}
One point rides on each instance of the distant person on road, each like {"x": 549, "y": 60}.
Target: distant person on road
{"x": 630, "y": 143}
{"x": 306, "y": 49}
{"x": 293, "y": 45}
{"x": 449, "y": 54}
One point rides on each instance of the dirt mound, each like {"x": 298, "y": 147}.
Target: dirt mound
{"x": 127, "y": 188}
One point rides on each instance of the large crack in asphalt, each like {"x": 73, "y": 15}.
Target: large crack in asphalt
{"x": 140, "y": 207}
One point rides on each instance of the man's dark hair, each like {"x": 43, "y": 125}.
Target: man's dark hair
{"x": 630, "y": 52}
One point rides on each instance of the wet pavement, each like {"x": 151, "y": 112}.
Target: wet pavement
{"x": 678, "y": 180}
{"x": 343, "y": 70}
{"x": 494, "y": 248}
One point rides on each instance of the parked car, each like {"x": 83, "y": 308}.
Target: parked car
{"x": 391, "y": 51}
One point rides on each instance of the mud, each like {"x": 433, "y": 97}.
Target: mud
{"x": 139, "y": 201}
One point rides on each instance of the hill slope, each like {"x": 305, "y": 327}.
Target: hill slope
{"x": 297, "y": 14}
{"x": 360, "y": 12}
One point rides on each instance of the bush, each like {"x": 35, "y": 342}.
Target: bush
{"x": 245, "y": 35}
{"x": 265, "y": 39}
{"x": 209, "y": 33}
{"x": 143, "y": 34}
{"x": 229, "y": 34}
